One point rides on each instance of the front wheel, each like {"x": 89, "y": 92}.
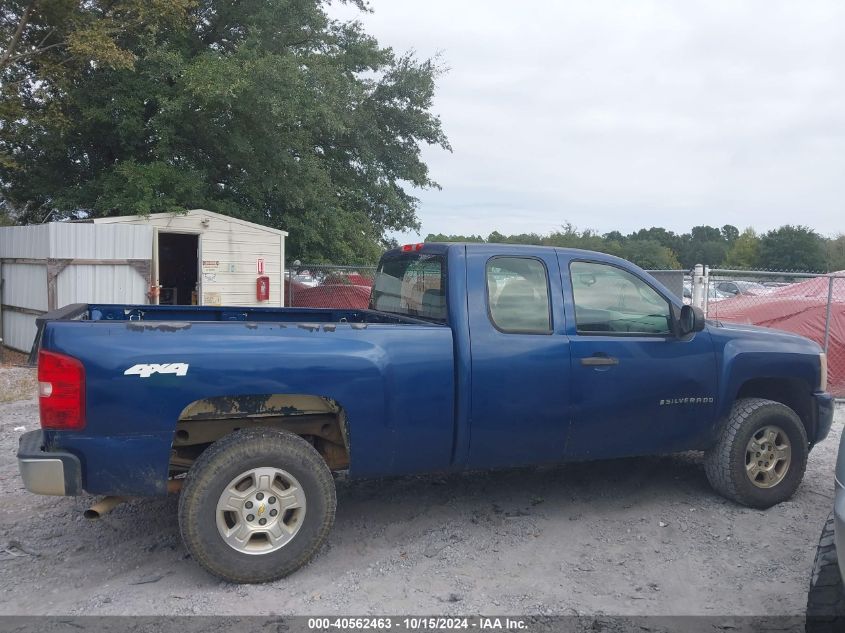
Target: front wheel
{"x": 256, "y": 505}
{"x": 761, "y": 454}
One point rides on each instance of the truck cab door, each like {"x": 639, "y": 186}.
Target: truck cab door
{"x": 519, "y": 409}
{"x": 636, "y": 387}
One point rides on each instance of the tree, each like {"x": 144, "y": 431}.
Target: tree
{"x": 792, "y": 248}
{"x": 706, "y": 233}
{"x": 836, "y": 253}
{"x": 730, "y": 233}
{"x": 745, "y": 251}
{"x": 266, "y": 110}
{"x": 656, "y": 234}
{"x": 650, "y": 254}
{"x": 441, "y": 237}
{"x": 5, "y": 218}
{"x": 40, "y": 33}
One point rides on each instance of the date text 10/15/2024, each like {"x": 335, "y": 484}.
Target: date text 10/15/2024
{"x": 416, "y": 623}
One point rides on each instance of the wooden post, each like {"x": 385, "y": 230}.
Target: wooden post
{"x": 54, "y": 269}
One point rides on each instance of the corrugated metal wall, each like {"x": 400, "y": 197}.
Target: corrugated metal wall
{"x": 18, "y": 330}
{"x": 100, "y": 284}
{"x": 88, "y": 283}
{"x": 31, "y": 242}
{"x": 25, "y": 284}
{"x": 100, "y": 241}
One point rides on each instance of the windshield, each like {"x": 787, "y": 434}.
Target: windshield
{"x": 412, "y": 284}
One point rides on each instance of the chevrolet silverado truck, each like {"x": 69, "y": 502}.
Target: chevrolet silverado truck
{"x": 469, "y": 357}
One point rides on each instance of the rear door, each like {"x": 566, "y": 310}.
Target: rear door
{"x": 636, "y": 388}
{"x": 520, "y": 357}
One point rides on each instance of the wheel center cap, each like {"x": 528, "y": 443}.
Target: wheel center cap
{"x": 261, "y": 509}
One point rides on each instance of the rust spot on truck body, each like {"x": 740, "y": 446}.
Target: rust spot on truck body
{"x": 159, "y": 326}
{"x": 318, "y": 419}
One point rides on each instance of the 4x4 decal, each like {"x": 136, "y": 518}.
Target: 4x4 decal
{"x": 145, "y": 370}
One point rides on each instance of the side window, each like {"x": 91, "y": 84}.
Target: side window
{"x": 518, "y": 295}
{"x": 413, "y": 285}
{"x": 609, "y": 300}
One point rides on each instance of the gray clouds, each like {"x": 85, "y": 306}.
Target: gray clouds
{"x": 618, "y": 115}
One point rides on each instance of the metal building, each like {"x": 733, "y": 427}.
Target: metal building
{"x": 195, "y": 258}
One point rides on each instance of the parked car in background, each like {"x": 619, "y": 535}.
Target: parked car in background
{"x": 826, "y": 597}
{"x": 740, "y": 287}
{"x": 713, "y": 294}
{"x": 303, "y": 277}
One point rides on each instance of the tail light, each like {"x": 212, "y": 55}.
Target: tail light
{"x": 61, "y": 391}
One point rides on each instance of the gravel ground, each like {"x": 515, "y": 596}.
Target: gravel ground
{"x": 622, "y": 537}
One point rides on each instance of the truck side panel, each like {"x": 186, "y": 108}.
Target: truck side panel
{"x": 394, "y": 383}
{"x": 747, "y": 352}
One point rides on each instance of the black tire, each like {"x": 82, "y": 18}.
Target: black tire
{"x": 724, "y": 463}
{"x": 225, "y": 460}
{"x": 826, "y": 598}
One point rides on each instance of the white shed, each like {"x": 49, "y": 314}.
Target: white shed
{"x": 195, "y": 258}
{"x": 205, "y": 258}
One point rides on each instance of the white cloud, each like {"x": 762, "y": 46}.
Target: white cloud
{"x": 621, "y": 114}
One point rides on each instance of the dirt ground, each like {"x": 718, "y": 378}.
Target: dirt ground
{"x": 629, "y": 537}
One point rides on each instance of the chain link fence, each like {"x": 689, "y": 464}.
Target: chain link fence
{"x": 329, "y": 286}
{"x": 809, "y": 304}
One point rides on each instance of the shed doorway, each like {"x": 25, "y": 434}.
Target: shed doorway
{"x": 178, "y": 268}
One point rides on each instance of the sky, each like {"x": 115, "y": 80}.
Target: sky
{"x": 617, "y": 115}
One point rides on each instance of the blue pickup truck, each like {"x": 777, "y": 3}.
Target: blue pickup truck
{"x": 469, "y": 357}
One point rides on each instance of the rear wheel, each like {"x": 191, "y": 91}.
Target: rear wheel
{"x": 256, "y": 505}
{"x": 761, "y": 454}
{"x": 826, "y": 598}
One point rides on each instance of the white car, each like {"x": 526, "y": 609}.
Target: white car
{"x": 713, "y": 295}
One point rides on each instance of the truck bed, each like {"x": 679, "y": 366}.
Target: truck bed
{"x": 158, "y": 313}
{"x": 117, "y": 312}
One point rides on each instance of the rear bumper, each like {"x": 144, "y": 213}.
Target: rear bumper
{"x": 824, "y": 404}
{"x": 47, "y": 472}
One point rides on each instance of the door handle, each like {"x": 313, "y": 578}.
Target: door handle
{"x": 597, "y": 361}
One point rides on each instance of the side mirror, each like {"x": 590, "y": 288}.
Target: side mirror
{"x": 691, "y": 320}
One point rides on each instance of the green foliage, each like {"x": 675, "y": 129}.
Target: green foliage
{"x": 262, "y": 109}
{"x": 59, "y": 37}
{"x": 440, "y": 237}
{"x": 835, "y": 251}
{"x": 650, "y": 254}
{"x": 786, "y": 248}
{"x": 792, "y": 248}
{"x": 745, "y": 251}
{"x": 647, "y": 253}
{"x": 5, "y": 218}
{"x": 730, "y": 233}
